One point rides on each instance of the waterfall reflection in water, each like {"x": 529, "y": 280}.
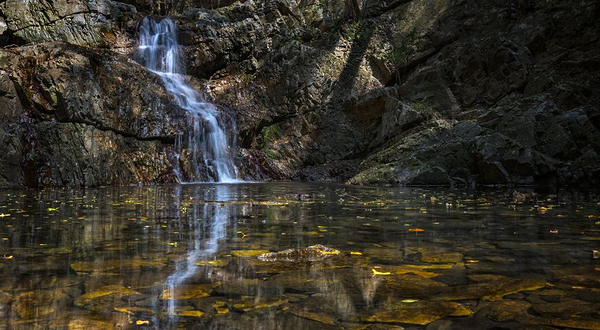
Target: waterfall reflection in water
{"x": 211, "y": 136}
{"x": 205, "y": 226}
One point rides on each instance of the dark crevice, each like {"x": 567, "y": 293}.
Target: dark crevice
{"x": 162, "y": 139}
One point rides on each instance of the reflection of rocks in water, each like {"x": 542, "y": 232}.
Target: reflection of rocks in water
{"x": 121, "y": 265}
{"x": 269, "y": 319}
{"x": 248, "y": 287}
{"x": 312, "y": 253}
{"x": 34, "y": 304}
{"x": 248, "y": 303}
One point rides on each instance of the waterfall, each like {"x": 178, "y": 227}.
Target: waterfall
{"x": 208, "y": 145}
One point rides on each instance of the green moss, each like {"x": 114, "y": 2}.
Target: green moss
{"x": 270, "y": 134}
{"x": 398, "y": 54}
{"x": 247, "y": 78}
{"x": 272, "y": 154}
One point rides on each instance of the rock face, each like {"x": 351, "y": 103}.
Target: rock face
{"x": 409, "y": 91}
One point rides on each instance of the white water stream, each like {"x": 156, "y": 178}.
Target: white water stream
{"x": 209, "y": 147}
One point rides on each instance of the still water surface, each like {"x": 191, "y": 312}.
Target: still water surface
{"x": 298, "y": 256}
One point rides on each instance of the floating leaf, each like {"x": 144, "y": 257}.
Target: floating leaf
{"x": 376, "y": 272}
{"x": 142, "y": 322}
{"x": 416, "y": 230}
{"x": 2, "y": 215}
{"x": 50, "y": 209}
{"x": 354, "y": 253}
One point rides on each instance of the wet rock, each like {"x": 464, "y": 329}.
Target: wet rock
{"x": 107, "y": 266}
{"x": 36, "y": 304}
{"x": 248, "y": 303}
{"x": 248, "y": 287}
{"x": 491, "y": 291}
{"x": 385, "y": 255}
{"x": 508, "y": 310}
{"x": 568, "y": 307}
{"x": 421, "y": 313}
{"x": 311, "y": 253}
{"x": 81, "y": 323}
{"x": 317, "y": 317}
{"x": 410, "y": 286}
{"x": 104, "y": 299}
{"x": 441, "y": 257}
{"x": 187, "y": 292}
{"x": 439, "y": 325}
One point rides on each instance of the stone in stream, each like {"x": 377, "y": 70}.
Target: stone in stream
{"x": 420, "y": 312}
{"x": 188, "y": 291}
{"x": 409, "y": 286}
{"x": 248, "y": 303}
{"x": 570, "y": 307}
{"x": 490, "y": 291}
{"x": 122, "y": 265}
{"x": 35, "y": 304}
{"x": 83, "y": 323}
{"x": 312, "y": 253}
{"x": 105, "y": 299}
{"x": 385, "y": 255}
{"x": 508, "y": 310}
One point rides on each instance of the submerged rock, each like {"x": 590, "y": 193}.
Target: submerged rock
{"x": 104, "y": 299}
{"x": 420, "y": 313}
{"x": 311, "y": 253}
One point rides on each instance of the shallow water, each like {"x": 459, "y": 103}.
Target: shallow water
{"x": 196, "y": 257}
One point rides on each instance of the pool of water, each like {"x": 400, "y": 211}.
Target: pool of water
{"x": 298, "y": 256}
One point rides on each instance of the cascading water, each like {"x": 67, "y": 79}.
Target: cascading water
{"x": 209, "y": 146}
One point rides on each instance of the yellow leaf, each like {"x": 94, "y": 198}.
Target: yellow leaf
{"x": 416, "y": 230}
{"x": 2, "y": 215}
{"x": 375, "y": 272}
{"x": 356, "y": 253}
{"x": 142, "y": 322}
{"x": 191, "y": 313}
{"x": 52, "y": 209}
{"x": 409, "y": 301}
{"x": 8, "y": 257}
